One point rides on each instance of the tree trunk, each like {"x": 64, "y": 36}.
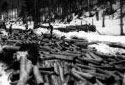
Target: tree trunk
{"x": 103, "y": 20}
{"x": 121, "y": 17}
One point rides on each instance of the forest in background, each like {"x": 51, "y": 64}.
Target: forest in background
{"x": 51, "y": 10}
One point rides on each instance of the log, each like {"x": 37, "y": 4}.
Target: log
{"x": 67, "y": 54}
{"x": 55, "y": 56}
{"x": 118, "y": 62}
{"x": 86, "y": 60}
{"x": 14, "y": 41}
{"x": 76, "y": 40}
{"x": 98, "y": 82}
{"x": 85, "y": 75}
{"x": 47, "y": 80}
{"x": 123, "y": 79}
{"x": 48, "y": 73}
{"x": 95, "y": 56}
{"x": 88, "y": 56}
{"x": 77, "y": 76}
{"x": 61, "y": 72}
{"x": 10, "y": 47}
{"x": 84, "y": 66}
{"x": 100, "y": 73}
{"x": 25, "y": 69}
{"x": 38, "y": 76}
{"x": 104, "y": 67}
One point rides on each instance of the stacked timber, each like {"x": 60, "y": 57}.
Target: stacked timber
{"x": 58, "y": 61}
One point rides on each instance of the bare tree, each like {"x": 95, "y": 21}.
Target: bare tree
{"x": 121, "y": 17}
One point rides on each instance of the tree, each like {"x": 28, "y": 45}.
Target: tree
{"x": 121, "y": 17}
{"x": 4, "y": 8}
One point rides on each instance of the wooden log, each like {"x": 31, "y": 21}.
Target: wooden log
{"x": 14, "y": 41}
{"x": 77, "y": 76}
{"x": 10, "y": 47}
{"x": 106, "y": 70}
{"x": 123, "y": 79}
{"x": 54, "y": 56}
{"x": 46, "y": 48}
{"x": 86, "y": 60}
{"x": 105, "y": 67}
{"x": 85, "y": 75}
{"x": 76, "y": 40}
{"x": 67, "y": 79}
{"x": 99, "y": 75}
{"x": 67, "y": 54}
{"x": 47, "y": 80}
{"x": 100, "y": 72}
{"x": 61, "y": 72}
{"x": 25, "y": 69}
{"x": 82, "y": 45}
{"x": 49, "y": 73}
{"x": 119, "y": 67}
{"x": 118, "y": 62}
{"x": 99, "y": 82}
{"x": 86, "y": 50}
{"x": 95, "y": 56}
{"x": 84, "y": 66}
{"x": 37, "y": 74}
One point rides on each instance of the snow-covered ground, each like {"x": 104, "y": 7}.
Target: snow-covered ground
{"x": 103, "y": 48}
{"x": 91, "y": 36}
{"x": 4, "y": 76}
{"x": 112, "y": 22}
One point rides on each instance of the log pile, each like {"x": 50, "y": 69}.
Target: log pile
{"x": 85, "y": 28}
{"x": 59, "y": 61}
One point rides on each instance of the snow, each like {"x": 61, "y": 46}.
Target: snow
{"x": 92, "y": 37}
{"x": 21, "y": 54}
{"x": 107, "y": 49}
{"x": 4, "y": 76}
{"x": 109, "y": 33}
{"x": 19, "y": 25}
{"x": 3, "y": 33}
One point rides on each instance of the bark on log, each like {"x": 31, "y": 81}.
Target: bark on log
{"x": 67, "y": 54}
{"x": 38, "y": 76}
{"x": 95, "y": 56}
{"x": 25, "y": 68}
{"x": 61, "y": 72}
{"x": 9, "y": 47}
{"x": 55, "y": 56}
{"x": 85, "y": 75}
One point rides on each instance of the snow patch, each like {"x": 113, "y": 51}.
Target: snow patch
{"x": 107, "y": 49}
{"x": 4, "y": 76}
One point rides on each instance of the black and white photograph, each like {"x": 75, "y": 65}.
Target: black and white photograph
{"x": 62, "y": 42}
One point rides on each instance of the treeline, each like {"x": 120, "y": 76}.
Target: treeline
{"x": 49, "y": 10}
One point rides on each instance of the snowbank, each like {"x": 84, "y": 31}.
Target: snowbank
{"x": 106, "y": 49}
